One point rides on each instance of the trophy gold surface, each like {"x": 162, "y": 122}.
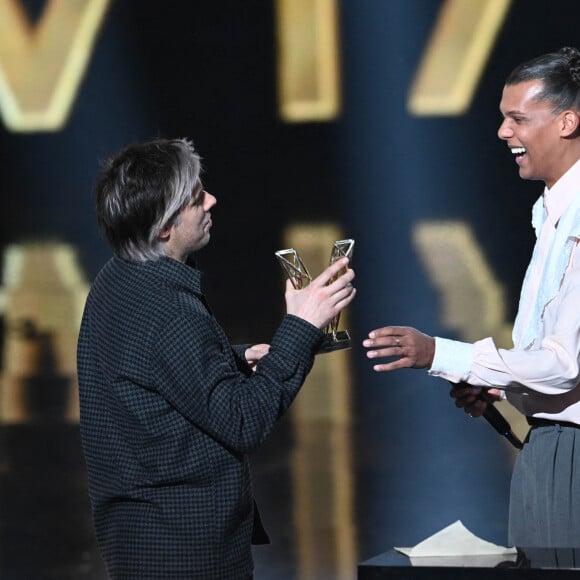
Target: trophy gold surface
{"x": 300, "y": 277}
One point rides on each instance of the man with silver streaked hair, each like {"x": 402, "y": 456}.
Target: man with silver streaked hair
{"x": 140, "y": 191}
{"x": 170, "y": 410}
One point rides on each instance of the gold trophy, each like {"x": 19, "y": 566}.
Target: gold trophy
{"x": 300, "y": 277}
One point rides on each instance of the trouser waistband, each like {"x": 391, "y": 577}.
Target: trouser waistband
{"x": 539, "y": 422}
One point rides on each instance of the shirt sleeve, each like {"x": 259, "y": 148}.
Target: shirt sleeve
{"x": 551, "y": 367}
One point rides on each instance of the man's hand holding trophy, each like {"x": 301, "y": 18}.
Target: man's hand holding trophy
{"x": 297, "y": 272}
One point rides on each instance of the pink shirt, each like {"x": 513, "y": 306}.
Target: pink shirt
{"x": 541, "y": 374}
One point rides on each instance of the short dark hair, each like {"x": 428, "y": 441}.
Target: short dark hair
{"x": 141, "y": 190}
{"x": 560, "y": 74}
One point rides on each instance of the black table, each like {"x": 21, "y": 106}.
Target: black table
{"x": 530, "y": 563}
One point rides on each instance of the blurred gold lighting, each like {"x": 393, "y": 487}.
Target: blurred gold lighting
{"x": 473, "y": 302}
{"x": 41, "y": 66}
{"x": 308, "y": 61}
{"x": 455, "y": 56}
{"x": 43, "y": 296}
{"x": 322, "y": 470}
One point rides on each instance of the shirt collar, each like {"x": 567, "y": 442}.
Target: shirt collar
{"x": 174, "y": 273}
{"x": 558, "y": 199}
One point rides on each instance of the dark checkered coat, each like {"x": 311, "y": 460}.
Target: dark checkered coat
{"x": 169, "y": 413}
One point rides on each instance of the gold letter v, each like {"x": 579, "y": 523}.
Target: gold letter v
{"x": 41, "y": 66}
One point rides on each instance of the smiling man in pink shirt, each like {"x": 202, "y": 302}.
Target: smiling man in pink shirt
{"x": 540, "y": 376}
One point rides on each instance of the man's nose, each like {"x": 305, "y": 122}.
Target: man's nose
{"x": 209, "y": 200}
{"x": 504, "y": 131}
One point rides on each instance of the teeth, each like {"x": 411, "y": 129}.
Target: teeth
{"x": 518, "y": 150}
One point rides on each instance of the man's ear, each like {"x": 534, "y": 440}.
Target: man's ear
{"x": 164, "y": 234}
{"x": 570, "y": 123}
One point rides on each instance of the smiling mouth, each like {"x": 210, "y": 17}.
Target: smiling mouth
{"x": 518, "y": 151}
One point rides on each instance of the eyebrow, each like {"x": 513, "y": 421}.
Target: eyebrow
{"x": 513, "y": 113}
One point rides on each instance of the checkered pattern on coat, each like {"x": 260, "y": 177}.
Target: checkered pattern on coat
{"x": 169, "y": 413}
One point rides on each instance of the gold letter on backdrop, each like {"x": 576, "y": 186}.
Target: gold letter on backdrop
{"x": 41, "y": 66}
{"x": 308, "y": 62}
{"x": 455, "y": 56}
{"x": 472, "y": 299}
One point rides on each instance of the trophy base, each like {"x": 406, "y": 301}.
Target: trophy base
{"x": 338, "y": 341}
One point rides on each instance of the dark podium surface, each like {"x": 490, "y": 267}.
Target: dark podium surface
{"x": 529, "y": 563}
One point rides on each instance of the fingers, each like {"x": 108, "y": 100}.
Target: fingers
{"x": 383, "y": 340}
{"x": 387, "y": 341}
{"x": 345, "y": 297}
{"x": 388, "y": 331}
{"x": 392, "y": 350}
{"x": 293, "y": 283}
{"x": 413, "y": 348}
{"x": 255, "y": 352}
{"x": 400, "y": 363}
{"x": 337, "y": 282}
{"x": 494, "y": 394}
{"x": 332, "y": 274}
{"x": 463, "y": 391}
{"x": 466, "y": 398}
{"x": 324, "y": 298}
{"x": 407, "y": 355}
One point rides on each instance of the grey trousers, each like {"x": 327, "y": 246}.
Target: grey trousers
{"x": 545, "y": 490}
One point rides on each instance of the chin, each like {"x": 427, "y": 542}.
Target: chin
{"x": 202, "y": 244}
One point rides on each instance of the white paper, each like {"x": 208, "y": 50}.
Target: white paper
{"x": 456, "y": 541}
{"x": 487, "y": 561}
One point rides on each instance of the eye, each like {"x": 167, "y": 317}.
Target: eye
{"x": 198, "y": 199}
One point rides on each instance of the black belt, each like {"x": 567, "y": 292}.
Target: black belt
{"x": 538, "y": 422}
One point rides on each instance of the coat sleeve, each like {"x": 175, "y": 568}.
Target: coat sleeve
{"x": 196, "y": 371}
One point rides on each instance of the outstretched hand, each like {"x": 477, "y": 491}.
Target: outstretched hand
{"x": 324, "y": 298}
{"x": 412, "y": 348}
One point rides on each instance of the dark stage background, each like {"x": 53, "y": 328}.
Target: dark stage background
{"x": 208, "y": 71}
